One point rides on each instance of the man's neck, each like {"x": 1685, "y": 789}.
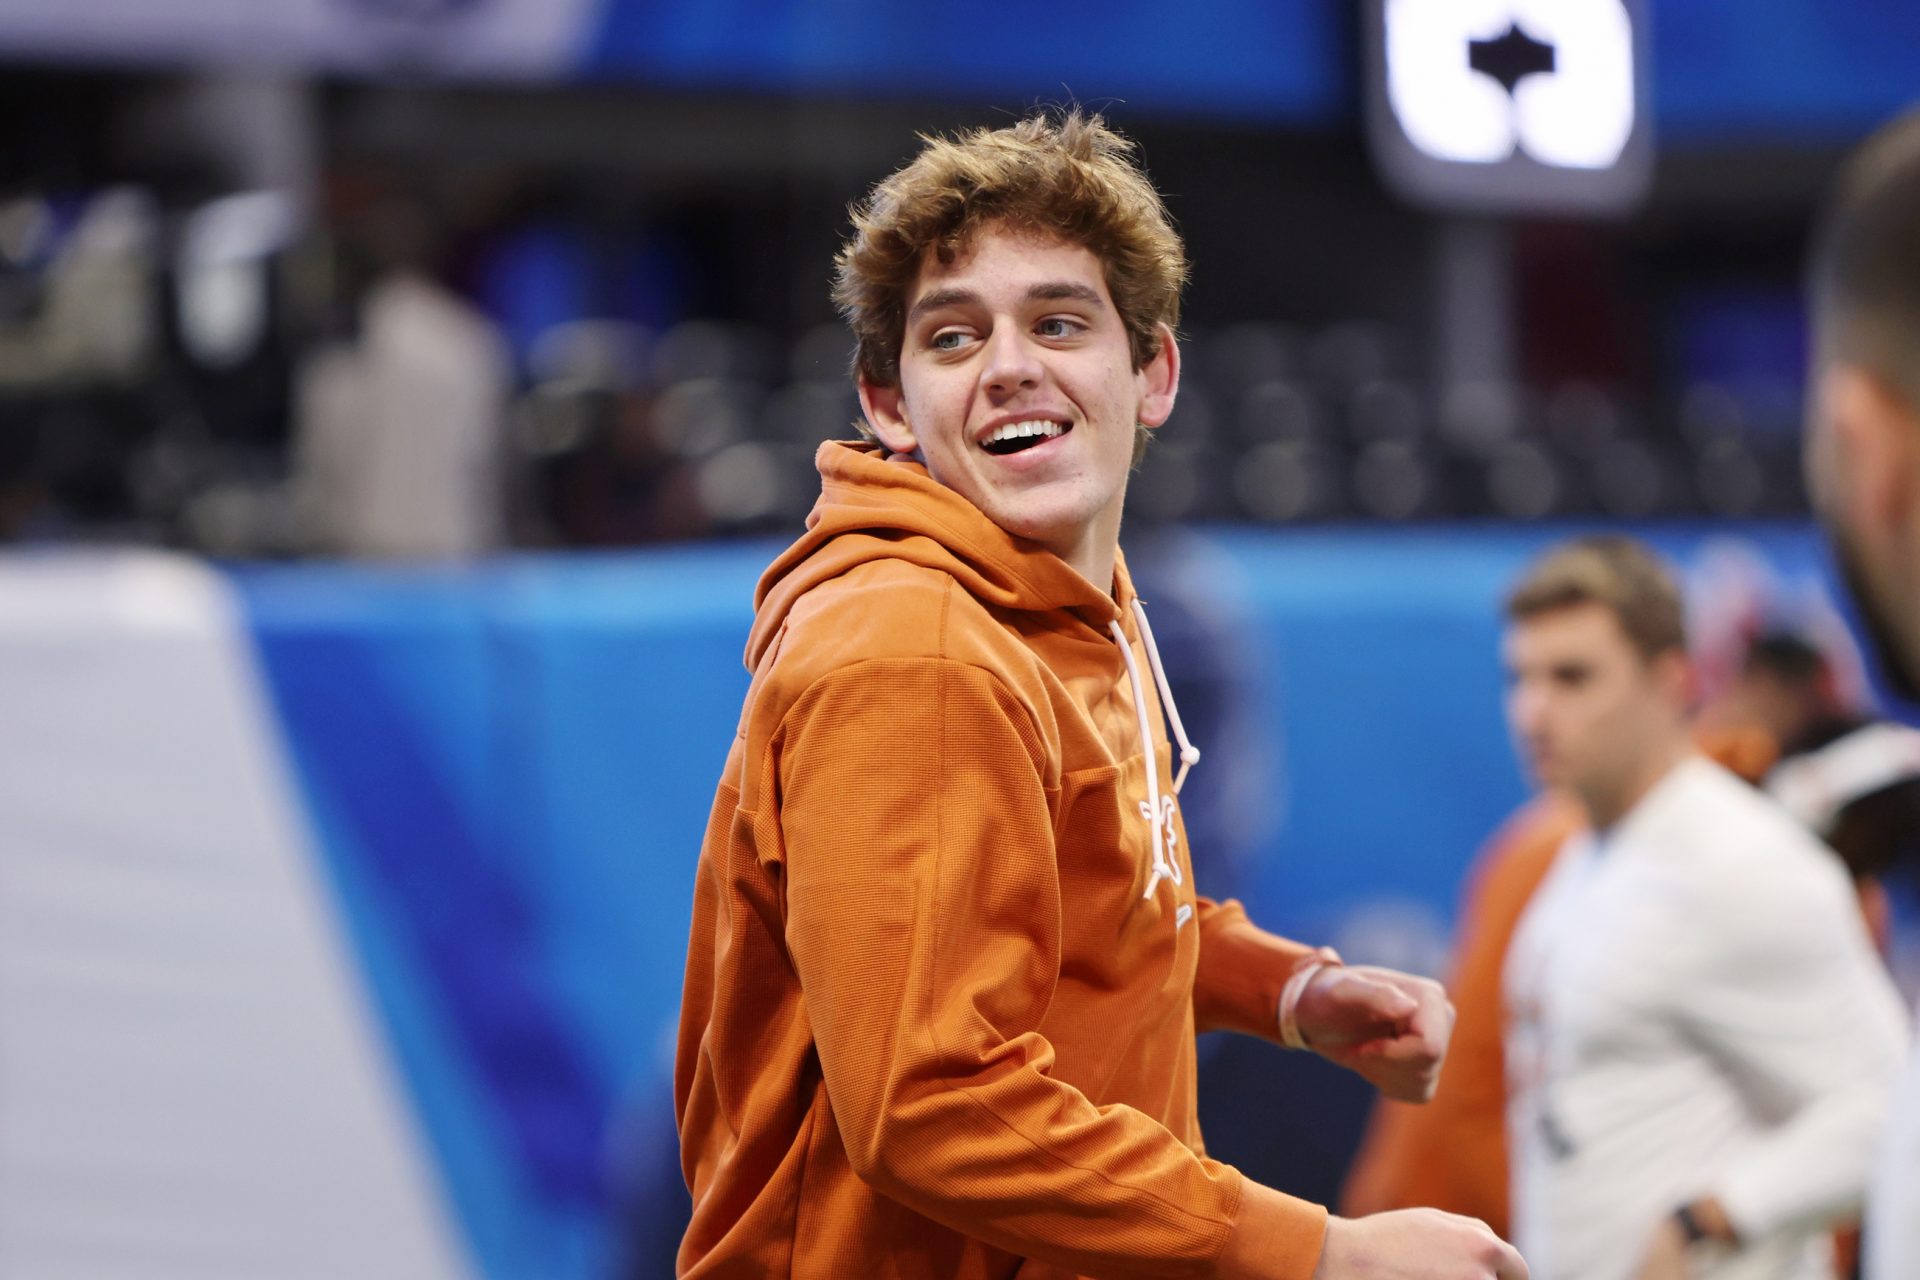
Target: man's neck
{"x": 1095, "y": 556}
{"x": 1604, "y": 811}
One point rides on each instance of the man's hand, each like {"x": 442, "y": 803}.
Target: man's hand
{"x": 1416, "y": 1244}
{"x": 1390, "y": 1027}
{"x": 1665, "y": 1257}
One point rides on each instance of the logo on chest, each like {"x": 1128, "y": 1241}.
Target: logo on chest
{"x": 1166, "y": 844}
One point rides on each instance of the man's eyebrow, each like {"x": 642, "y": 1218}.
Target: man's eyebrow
{"x": 941, "y": 298}
{"x": 1063, "y": 290}
{"x": 1045, "y": 291}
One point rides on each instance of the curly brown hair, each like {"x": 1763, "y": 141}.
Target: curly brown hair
{"x": 1060, "y": 173}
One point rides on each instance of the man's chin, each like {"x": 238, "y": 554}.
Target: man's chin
{"x": 1899, "y": 665}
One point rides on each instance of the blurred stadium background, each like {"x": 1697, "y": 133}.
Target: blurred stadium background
{"x": 398, "y": 399}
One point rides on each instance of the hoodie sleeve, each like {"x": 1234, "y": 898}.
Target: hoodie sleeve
{"x": 1242, "y": 970}
{"x": 923, "y": 917}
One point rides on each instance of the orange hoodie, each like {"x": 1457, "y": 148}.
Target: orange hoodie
{"x": 945, "y": 972}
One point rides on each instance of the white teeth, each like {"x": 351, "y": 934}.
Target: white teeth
{"x": 1017, "y": 430}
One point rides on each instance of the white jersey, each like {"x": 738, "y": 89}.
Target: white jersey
{"x": 1893, "y": 1206}
{"x": 1694, "y": 1008}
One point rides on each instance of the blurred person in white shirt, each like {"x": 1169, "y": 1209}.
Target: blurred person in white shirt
{"x": 400, "y": 433}
{"x": 1701, "y": 1041}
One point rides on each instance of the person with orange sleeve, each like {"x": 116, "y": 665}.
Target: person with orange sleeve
{"x": 948, "y": 961}
{"x": 1452, "y": 1152}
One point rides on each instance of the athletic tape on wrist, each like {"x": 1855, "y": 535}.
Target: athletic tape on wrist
{"x": 1303, "y": 971}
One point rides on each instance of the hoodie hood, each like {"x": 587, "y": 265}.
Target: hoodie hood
{"x": 875, "y": 506}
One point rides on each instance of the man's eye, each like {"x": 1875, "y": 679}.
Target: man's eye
{"x": 947, "y": 340}
{"x": 1057, "y": 327}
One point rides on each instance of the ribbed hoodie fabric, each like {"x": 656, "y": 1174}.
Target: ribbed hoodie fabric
{"x": 935, "y": 1024}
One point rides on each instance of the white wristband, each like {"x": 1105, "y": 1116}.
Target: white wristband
{"x": 1302, "y": 974}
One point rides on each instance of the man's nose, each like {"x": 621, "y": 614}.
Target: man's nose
{"x": 1526, "y": 708}
{"x": 1012, "y": 364}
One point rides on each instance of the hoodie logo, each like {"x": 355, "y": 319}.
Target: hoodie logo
{"x": 1166, "y": 852}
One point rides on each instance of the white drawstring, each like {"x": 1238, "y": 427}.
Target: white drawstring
{"x": 1163, "y": 867}
{"x": 1189, "y": 754}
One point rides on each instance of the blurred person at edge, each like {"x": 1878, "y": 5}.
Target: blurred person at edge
{"x": 1782, "y": 710}
{"x": 1852, "y": 780}
{"x": 1785, "y": 689}
{"x": 399, "y": 430}
{"x": 947, "y": 960}
{"x": 1863, "y": 471}
{"x": 1700, "y": 1041}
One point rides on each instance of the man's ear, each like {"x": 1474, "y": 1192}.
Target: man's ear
{"x": 886, "y": 413}
{"x": 1160, "y": 381}
{"x": 1674, "y": 673}
{"x": 1878, "y": 432}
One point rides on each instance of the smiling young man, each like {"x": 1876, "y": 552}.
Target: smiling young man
{"x": 1701, "y": 1042}
{"x": 948, "y": 961}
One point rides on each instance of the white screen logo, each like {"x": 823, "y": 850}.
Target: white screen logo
{"x": 1472, "y": 80}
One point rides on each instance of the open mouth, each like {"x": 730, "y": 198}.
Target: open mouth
{"x": 1016, "y": 437}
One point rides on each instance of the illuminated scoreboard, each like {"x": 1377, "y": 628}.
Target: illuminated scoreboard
{"x": 1510, "y": 105}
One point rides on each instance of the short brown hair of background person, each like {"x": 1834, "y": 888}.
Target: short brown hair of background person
{"x": 1613, "y": 571}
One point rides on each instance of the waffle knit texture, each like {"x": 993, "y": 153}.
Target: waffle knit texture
{"x": 933, "y": 1024}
